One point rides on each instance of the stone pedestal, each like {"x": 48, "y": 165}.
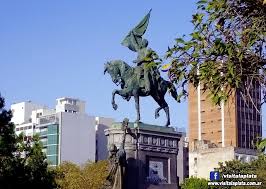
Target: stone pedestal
{"x": 151, "y": 152}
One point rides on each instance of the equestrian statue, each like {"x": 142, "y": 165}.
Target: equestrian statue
{"x": 144, "y": 79}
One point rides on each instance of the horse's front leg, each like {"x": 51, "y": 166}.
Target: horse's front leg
{"x": 136, "y": 96}
{"x": 124, "y": 93}
{"x": 166, "y": 109}
{"x": 113, "y": 99}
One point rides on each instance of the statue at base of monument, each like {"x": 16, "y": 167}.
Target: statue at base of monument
{"x": 117, "y": 160}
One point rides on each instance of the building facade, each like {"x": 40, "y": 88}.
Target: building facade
{"x": 67, "y": 132}
{"x": 203, "y": 160}
{"x": 235, "y": 123}
{"x": 102, "y": 123}
{"x": 222, "y": 133}
{"x": 182, "y": 159}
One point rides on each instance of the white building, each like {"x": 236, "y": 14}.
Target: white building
{"x": 205, "y": 157}
{"x": 67, "y": 132}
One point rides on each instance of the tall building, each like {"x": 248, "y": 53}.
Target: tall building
{"x": 67, "y": 132}
{"x": 236, "y": 123}
{"x": 102, "y": 123}
{"x": 222, "y": 133}
{"x": 182, "y": 159}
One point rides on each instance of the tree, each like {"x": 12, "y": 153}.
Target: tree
{"x": 8, "y": 164}
{"x": 91, "y": 175}
{"x": 261, "y": 145}
{"x": 226, "y": 51}
{"x": 22, "y": 162}
{"x": 257, "y": 167}
{"x": 195, "y": 183}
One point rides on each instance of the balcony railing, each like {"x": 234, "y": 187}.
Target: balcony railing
{"x": 48, "y": 119}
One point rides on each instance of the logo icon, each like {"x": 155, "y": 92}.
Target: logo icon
{"x": 214, "y": 175}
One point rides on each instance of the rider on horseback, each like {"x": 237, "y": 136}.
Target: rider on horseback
{"x": 136, "y": 43}
{"x": 142, "y": 69}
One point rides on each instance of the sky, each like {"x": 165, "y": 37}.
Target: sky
{"x": 51, "y": 49}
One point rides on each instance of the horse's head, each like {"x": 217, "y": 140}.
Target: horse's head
{"x": 113, "y": 70}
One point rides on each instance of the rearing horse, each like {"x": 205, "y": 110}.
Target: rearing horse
{"x": 124, "y": 75}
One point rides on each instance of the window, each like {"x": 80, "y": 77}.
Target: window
{"x": 52, "y": 139}
{"x": 52, "y": 129}
{"x": 52, "y": 150}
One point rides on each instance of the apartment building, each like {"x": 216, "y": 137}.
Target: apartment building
{"x": 222, "y": 133}
{"x": 67, "y": 132}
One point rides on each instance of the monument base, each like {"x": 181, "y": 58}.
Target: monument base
{"x": 151, "y": 153}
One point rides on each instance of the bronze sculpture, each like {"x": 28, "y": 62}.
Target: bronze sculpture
{"x": 117, "y": 160}
{"x": 144, "y": 79}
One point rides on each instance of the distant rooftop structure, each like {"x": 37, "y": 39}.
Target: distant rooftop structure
{"x": 72, "y": 105}
{"x": 22, "y": 111}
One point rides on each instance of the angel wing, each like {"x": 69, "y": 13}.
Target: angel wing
{"x": 133, "y": 39}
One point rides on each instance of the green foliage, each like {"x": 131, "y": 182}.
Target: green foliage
{"x": 91, "y": 175}
{"x": 195, "y": 183}
{"x": 226, "y": 49}
{"x": 152, "y": 59}
{"x": 262, "y": 145}
{"x": 7, "y": 135}
{"x": 257, "y": 167}
{"x": 22, "y": 163}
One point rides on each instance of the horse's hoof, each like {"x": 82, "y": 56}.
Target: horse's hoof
{"x": 157, "y": 115}
{"x": 167, "y": 124}
{"x": 115, "y": 106}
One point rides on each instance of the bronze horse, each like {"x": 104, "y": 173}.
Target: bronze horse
{"x": 125, "y": 75}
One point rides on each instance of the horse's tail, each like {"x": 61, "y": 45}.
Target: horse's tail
{"x": 172, "y": 89}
